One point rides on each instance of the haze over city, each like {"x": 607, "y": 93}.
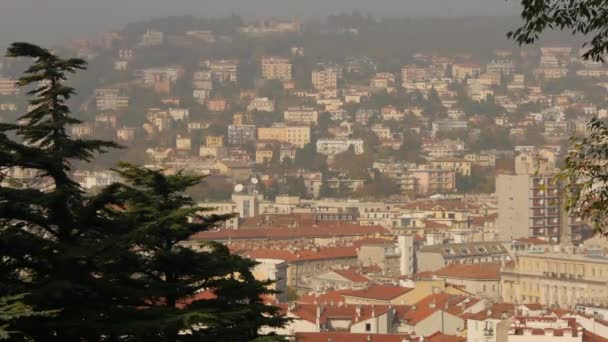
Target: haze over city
{"x": 303, "y": 171}
{"x": 57, "y": 20}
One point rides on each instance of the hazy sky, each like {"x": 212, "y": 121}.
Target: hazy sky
{"x": 53, "y": 21}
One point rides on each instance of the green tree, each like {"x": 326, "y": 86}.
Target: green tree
{"x": 11, "y": 309}
{"x": 161, "y": 217}
{"x": 55, "y": 242}
{"x": 584, "y": 177}
{"x": 587, "y": 17}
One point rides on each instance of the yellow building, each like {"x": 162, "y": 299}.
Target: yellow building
{"x": 295, "y": 135}
{"x": 214, "y": 141}
{"x": 275, "y": 68}
{"x": 263, "y": 156}
{"x": 461, "y": 166}
{"x": 556, "y": 278}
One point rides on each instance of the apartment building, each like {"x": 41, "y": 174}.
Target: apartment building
{"x": 461, "y": 166}
{"x": 301, "y": 114}
{"x": 261, "y": 104}
{"x": 563, "y": 277}
{"x": 303, "y": 264}
{"x": 448, "y": 126}
{"x": 241, "y": 134}
{"x": 461, "y": 71}
{"x": 544, "y": 329}
{"x": 529, "y": 203}
{"x": 295, "y": 135}
{"x": 276, "y": 68}
{"x": 223, "y": 70}
{"x": 482, "y": 279}
{"x": 393, "y": 258}
{"x": 325, "y": 79}
{"x": 413, "y": 73}
{"x": 214, "y": 141}
{"x": 431, "y": 181}
{"x": 501, "y": 67}
{"x": 434, "y": 257}
{"x": 331, "y": 147}
{"x": 110, "y": 100}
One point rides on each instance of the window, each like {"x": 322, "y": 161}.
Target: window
{"x": 368, "y": 327}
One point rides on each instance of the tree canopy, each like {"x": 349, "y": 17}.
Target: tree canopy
{"x": 587, "y": 17}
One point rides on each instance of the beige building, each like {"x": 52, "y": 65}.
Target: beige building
{"x": 303, "y": 115}
{"x": 325, "y": 79}
{"x": 432, "y": 258}
{"x": 263, "y": 156}
{"x": 295, "y": 135}
{"x": 302, "y": 265}
{"x": 461, "y": 166}
{"x": 183, "y": 143}
{"x": 276, "y": 68}
{"x": 214, "y": 141}
{"x": 482, "y": 280}
{"x": 556, "y": 279}
{"x": 392, "y": 258}
{"x": 529, "y": 203}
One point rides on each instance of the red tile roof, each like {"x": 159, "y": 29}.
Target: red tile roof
{"x": 496, "y": 311}
{"x": 349, "y": 337}
{"x": 303, "y": 255}
{"x": 352, "y": 275}
{"x": 343, "y": 229}
{"x": 354, "y": 313}
{"x": 452, "y": 304}
{"x": 326, "y": 298}
{"x": 482, "y": 271}
{"x": 352, "y": 337}
{"x": 379, "y": 292}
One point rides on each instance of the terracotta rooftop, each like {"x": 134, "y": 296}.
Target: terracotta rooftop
{"x": 425, "y": 307}
{"x": 351, "y": 275}
{"x": 354, "y": 313}
{"x": 379, "y": 292}
{"x": 349, "y": 337}
{"x": 482, "y": 271}
{"x": 337, "y": 230}
{"x": 301, "y": 255}
{"x": 352, "y": 337}
{"x": 496, "y": 311}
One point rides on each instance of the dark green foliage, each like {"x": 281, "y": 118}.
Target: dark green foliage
{"x": 12, "y": 309}
{"x": 584, "y": 176}
{"x": 161, "y": 217}
{"x": 53, "y": 238}
{"x": 108, "y": 266}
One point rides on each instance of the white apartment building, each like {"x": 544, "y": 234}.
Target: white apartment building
{"x": 331, "y": 147}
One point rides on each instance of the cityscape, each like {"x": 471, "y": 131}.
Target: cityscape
{"x": 379, "y": 180}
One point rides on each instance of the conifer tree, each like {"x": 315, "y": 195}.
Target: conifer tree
{"x": 206, "y": 291}
{"x": 55, "y": 242}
